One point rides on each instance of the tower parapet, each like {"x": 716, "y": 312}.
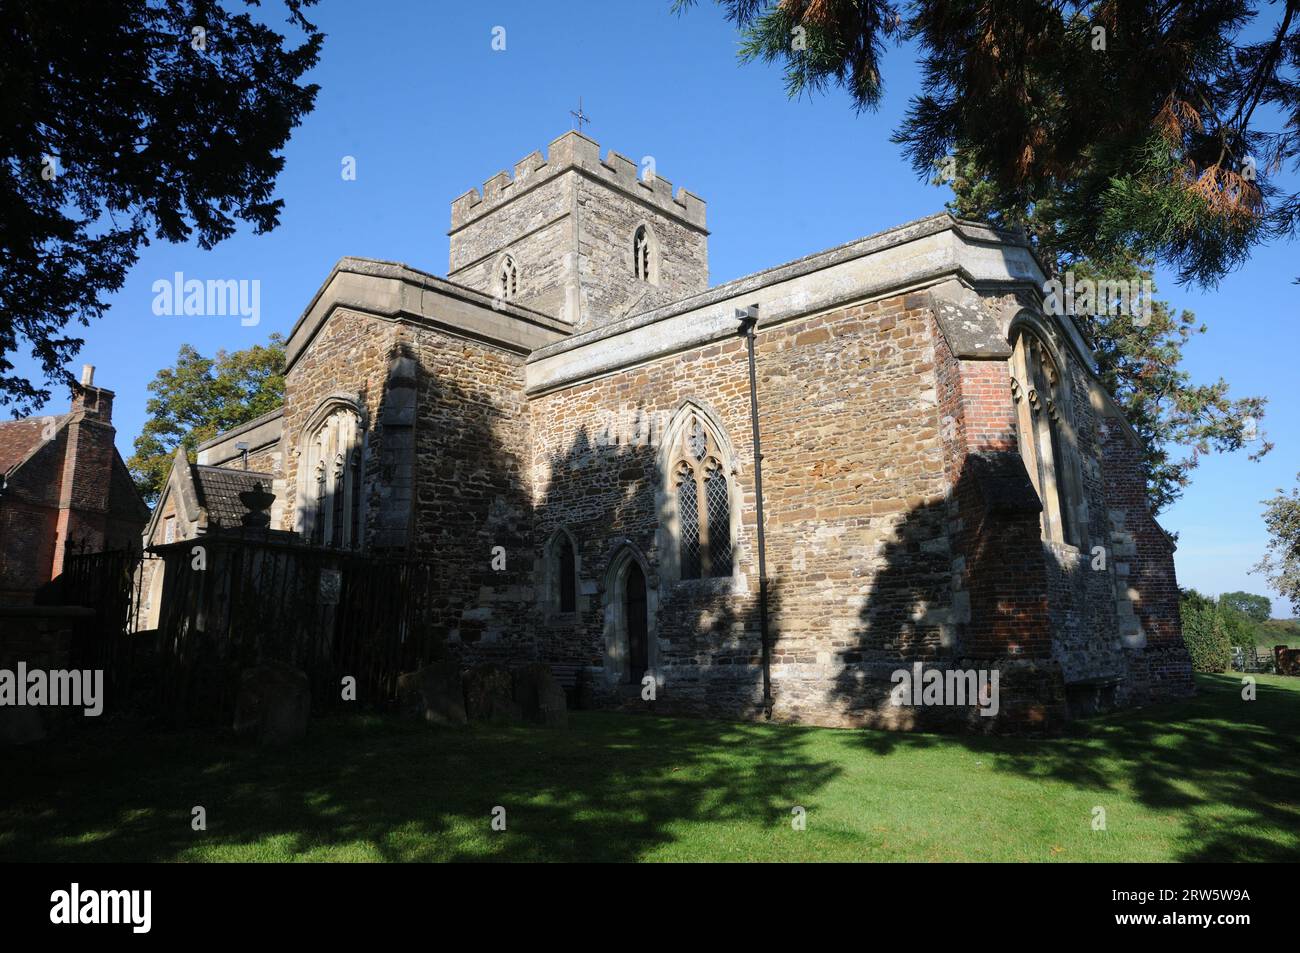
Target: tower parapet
{"x": 584, "y": 239}
{"x": 573, "y": 150}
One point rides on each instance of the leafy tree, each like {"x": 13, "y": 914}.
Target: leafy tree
{"x": 1281, "y": 564}
{"x": 1140, "y": 122}
{"x": 1139, "y": 351}
{"x": 201, "y": 397}
{"x": 1195, "y": 599}
{"x": 1009, "y": 113}
{"x": 1204, "y": 632}
{"x": 121, "y": 122}
{"x": 1255, "y": 607}
{"x": 1237, "y": 627}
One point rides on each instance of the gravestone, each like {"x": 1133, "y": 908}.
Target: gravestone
{"x": 489, "y": 694}
{"x": 539, "y": 696}
{"x": 433, "y": 693}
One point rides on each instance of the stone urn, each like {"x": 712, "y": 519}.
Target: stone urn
{"x": 257, "y": 501}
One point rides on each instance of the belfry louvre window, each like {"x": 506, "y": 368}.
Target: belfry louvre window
{"x": 1036, "y": 389}
{"x": 334, "y": 466}
{"x": 508, "y": 278}
{"x": 703, "y": 504}
{"x": 641, "y": 253}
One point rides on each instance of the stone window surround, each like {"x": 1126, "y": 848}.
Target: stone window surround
{"x": 616, "y": 656}
{"x": 506, "y": 286}
{"x": 304, "y": 509}
{"x": 651, "y": 276}
{"x": 153, "y": 612}
{"x": 548, "y": 579}
{"x": 1068, "y": 477}
{"x": 668, "y": 537}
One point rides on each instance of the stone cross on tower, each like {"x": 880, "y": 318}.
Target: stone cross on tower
{"x": 579, "y": 117}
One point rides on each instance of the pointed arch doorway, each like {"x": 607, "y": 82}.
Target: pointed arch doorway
{"x": 631, "y": 649}
{"x": 635, "y": 624}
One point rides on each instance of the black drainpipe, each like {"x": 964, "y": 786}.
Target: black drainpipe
{"x": 748, "y": 318}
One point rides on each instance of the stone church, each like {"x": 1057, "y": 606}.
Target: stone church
{"x": 563, "y": 425}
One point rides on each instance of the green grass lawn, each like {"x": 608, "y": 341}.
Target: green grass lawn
{"x": 1214, "y": 778}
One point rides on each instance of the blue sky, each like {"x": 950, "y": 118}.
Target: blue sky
{"x": 414, "y": 91}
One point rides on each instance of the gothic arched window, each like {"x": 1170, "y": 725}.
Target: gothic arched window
{"x": 1037, "y": 389}
{"x": 319, "y": 500}
{"x": 507, "y": 278}
{"x": 332, "y": 511}
{"x": 700, "y": 483}
{"x": 566, "y": 575}
{"x": 643, "y": 255}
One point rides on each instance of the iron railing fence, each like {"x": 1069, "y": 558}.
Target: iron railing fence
{"x": 226, "y": 603}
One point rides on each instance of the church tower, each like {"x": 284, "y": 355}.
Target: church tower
{"x": 583, "y": 239}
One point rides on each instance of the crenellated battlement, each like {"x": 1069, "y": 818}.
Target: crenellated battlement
{"x": 573, "y": 150}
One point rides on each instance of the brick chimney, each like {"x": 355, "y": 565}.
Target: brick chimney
{"x": 95, "y": 402}
{"x": 87, "y": 468}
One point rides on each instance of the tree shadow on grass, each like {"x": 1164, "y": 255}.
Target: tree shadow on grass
{"x": 1228, "y": 769}
{"x": 610, "y": 788}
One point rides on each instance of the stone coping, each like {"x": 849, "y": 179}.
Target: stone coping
{"x": 399, "y": 292}
{"x": 818, "y": 261}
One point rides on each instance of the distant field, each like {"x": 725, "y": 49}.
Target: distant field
{"x": 1278, "y": 632}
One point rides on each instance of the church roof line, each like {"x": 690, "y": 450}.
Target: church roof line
{"x": 242, "y": 428}
{"x": 395, "y": 291}
{"x": 573, "y": 150}
{"x": 915, "y": 230}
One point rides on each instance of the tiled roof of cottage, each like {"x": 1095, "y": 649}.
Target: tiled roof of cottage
{"x": 219, "y": 490}
{"x": 20, "y": 438}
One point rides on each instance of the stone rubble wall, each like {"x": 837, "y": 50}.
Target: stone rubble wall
{"x": 569, "y": 225}
{"x": 901, "y": 525}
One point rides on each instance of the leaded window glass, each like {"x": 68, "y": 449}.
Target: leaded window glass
{"x": 703, "y": 493}
{"x": 688, "y": 518}
{"x": 719, "y": 512}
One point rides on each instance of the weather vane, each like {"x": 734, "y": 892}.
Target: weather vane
{"x": 579, "y": 117}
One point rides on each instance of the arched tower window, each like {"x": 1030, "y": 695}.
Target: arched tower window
{"x": 331, "y": 508}
{"x": 703, "y": 497}
{"x": 643, "y": 255}
{"x": 507, "y": 278}
{"x": 1038, "y": 392}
